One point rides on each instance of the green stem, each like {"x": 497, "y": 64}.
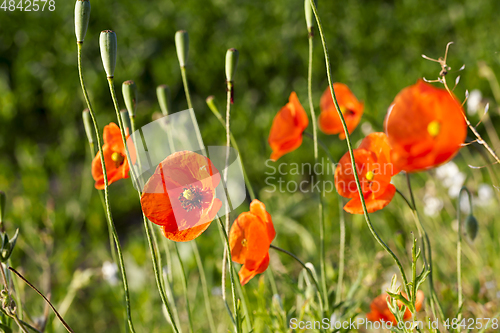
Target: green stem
{"x": 200, "y": 144}
{"x": 109, "y": 216}
{"x": 459, "y": 248}
{"x": 11, "y": 313}
{"x": 322, "y": 256}
{"x": 185, "y": 289}
{"x": 313, "y": 278}
{"x": 231, "y": 276}
{"x": 349, "y": 147}
{"x": 204, "y": 286}
{"x": 227, "y": 218}
{"x": 101, "y": 196}
{"x": 215, "y": 111}
{"x": 152, "y": 246}
{"x": 190, "y": 104}
{"x": 168, "y": 283}
{"x": 338, "y": 297}
{"x": 426, "y": 250}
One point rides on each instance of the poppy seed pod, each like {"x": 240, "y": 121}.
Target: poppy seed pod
{"x": 164, "y": 98}
{"x": 108, "y": 45}
{"x": 2, "y": 205}
{"x": 231, "y": 63}
{"x": 82, "y": 16}
{"x": 182, "y": 46}
{"x": 87, "y": 125}
{"x": 471, "y": 227}
{"x": 129, "y": 91}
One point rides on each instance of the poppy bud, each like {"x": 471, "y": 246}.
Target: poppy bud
{"x": 108, "y": 44}
{"x": 87, "y": 125}
{"x": 231, "y": 63}
{"x": 182, "y": 46}
{"x": 82, "y": 16}
{"x": 124, "y": 114}
{"x": 2, "y": 205}
{"x": 309, "y": 15}
{"x": 129, "y": 91}
{"x": 164, "y": 98}
{"x": 471, "y": 227}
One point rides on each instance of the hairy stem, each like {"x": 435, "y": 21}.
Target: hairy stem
{"x": 109, "y": 217}
{"x": 349, "y": 147}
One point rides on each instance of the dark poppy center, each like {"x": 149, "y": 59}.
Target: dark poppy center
{"x": 191, "y": 198}
{"x": 117, "y": 158}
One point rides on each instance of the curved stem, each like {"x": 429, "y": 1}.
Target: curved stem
{"x": 215, "y": 111}
{"x": 231, "y": 276}
{"x": 349, "y": 147}
{"x": 313, "y": 278}
{"x": 338, "y": 297}
{"x": 185, "y": 289}
{"x": 322, "y": 257}
{"x": 152, "y": 245}
{"x": 109, "y": 216}
{"x": 459, "y": 248}
{"x": 228, "y": 145}
{"x": 206, "y": 296}
{"x": 427, "y": 251}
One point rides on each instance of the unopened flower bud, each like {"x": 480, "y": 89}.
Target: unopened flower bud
{"x": 309, "y": 14}
{"x": 82, "y": 16}
{"x": 182, "y": 46}
{"x": 2, "y": 205}
{"x": 471, "y": 227}
{"x": 108, "y": 45}
{"x": 7, "y": 246}
{"x": 87, "y": 125}
{"x": 129, "y": 91}
{"x": 164, "y": 98}
{"x": 231, "y": 63}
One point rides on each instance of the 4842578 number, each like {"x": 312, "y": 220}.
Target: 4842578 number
{"x": 28, "y": 5}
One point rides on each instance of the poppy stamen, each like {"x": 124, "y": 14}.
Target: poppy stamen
{"x": 433, "y": 128}
{"x": 369, "y": 176}
{"x": 244, "y": 242}
{"x": 117, "y": 158}
{"x": 190, "y": 198}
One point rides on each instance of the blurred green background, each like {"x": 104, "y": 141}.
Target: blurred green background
{"x": 375, "y": 48}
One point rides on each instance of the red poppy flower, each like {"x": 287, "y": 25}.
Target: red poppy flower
{"x": 373, "y": 163}
{"x": 380, "y": 310}
{"x": 250, "y": 237}
{"x": 115, "y": 157}
{"x": 180, "y": 195}
{"x": 425, "y": 127}
{"x": 288, "y": 126}
{"x": 352, "y": 110}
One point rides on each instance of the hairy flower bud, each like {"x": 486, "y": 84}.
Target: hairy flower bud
{"x": 471, "y": 227}
{"x": 309, "y": 14}
{"x": 182, "y": 46}
{"x": 129, "y": 91}
{"x": 108, "y": 45}
{"x": 231, "y": 63}
{"x": 82, "y": 16}
{"x": 164, "y": 98}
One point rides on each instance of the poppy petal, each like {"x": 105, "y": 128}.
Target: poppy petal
{"x": 373, "y": 203}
